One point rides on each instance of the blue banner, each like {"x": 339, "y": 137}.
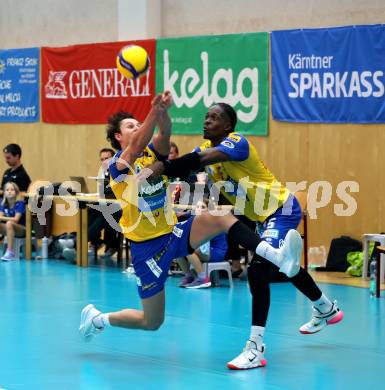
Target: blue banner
{"x": 331, "y": 75}
{"x": 19, "y": 85}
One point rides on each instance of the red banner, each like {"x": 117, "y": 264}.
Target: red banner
{"x": 81, "y": 84}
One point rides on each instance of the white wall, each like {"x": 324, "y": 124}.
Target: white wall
{"x": 139, "y": 19}
{"x": 202, "y": 17}
{"x": 27, "y": 23}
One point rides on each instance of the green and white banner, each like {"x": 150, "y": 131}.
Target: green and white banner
{"x": 200, "y": 71}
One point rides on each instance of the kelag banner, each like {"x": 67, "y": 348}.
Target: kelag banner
{"x": 329, "y": 75}
{"x": 81, "y": 84}
{"x": 19, "y": 85}
{"x": 200, "y": 71}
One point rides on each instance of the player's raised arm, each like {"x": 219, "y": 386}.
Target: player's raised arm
{"x": 184, "y": 166}
{"x": 161, "y": 140}
{"x": 136, "y": 136}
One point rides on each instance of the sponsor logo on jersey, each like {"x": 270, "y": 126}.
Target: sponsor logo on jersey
{"x": 177, "y": 232}
{"x": 272, "y": 233}
{"x": 149, "y": 286}
{"x": 155, "y": 269}
{"x": 228, "y": 144}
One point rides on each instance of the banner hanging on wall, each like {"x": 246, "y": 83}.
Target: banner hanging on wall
{"x": 19, "y": 85}
{"x": 200, "y": 71}
{"x": 331, "y": 75}
{"x": 81, "y": 84}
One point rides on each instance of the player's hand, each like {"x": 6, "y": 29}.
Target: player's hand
{"x": 162, "y": 102}
{"x": 167, "y": 99}
{"x": 157, "y": 102}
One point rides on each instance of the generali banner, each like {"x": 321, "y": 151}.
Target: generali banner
{"x": 200, "y": 71}
{"x": 80, "y": 84}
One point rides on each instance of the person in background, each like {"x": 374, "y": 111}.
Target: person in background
{"x": 12, "y": 218}
{"x": 105, "y": 156}
{"x": 174, "y": 153}
{"x": 96, "y": 220}
{"x": 16, "y": 173}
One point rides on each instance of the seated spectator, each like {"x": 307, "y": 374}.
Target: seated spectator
{"x": 105, "y": 156}
{"x": 212, "y": 251}
{"x": 12, "y": 218}
{"x": 16, "y": 173}
{"x": 96, "y": 220}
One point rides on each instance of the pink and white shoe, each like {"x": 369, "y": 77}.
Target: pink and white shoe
{"x": 251, "y": 357}
{"x": 187, "y": 279}
{"x": 199, "y": 283}
{"x": 321, "y": 320}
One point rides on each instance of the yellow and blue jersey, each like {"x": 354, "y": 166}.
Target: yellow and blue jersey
{"x": 147, "y": 214}
{"x": 251, "y": 188}
{"x": 18, "y": 207}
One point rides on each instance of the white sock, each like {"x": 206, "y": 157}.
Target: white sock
{"x": 266, "y": 251}
{"x": 102, "y": 321}
{"x": 201, "y": 275}
{"x": 323, "y": 304}
{"x": 256, "y": 335}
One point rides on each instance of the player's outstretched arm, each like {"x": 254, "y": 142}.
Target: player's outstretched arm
{"x": 161, "y": 140}
{"x": 143, "y": 136}
{"x": 184, "y": 166}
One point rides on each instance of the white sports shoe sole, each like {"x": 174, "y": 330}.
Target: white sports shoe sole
{"x": 260, "y": 363}
{"x": 291, "y": 252}
{"x": 248, "y": 359}
{"x": 203, "y": 285}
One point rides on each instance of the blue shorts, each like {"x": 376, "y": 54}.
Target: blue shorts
{"x": 152, "y": 259}
{"x": 274, "y": 229}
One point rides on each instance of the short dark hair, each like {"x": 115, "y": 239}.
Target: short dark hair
{"x": 174, "y": 145}
{"x": 113, "y": 127}
{"x": 14, "y": 149}
{"x": 230, "y": 112}
{"x": 107, "y": 150}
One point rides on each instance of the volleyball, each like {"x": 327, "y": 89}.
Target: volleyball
{"x": 132, "y": 61}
